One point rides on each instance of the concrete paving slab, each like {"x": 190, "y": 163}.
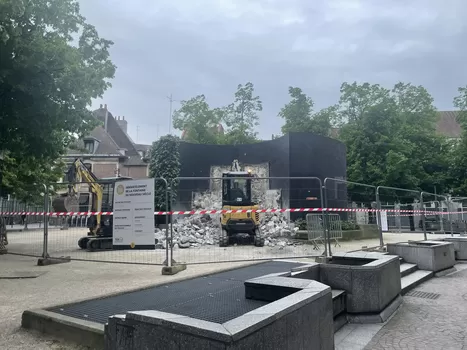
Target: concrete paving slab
{"x": 424, "y": 323}
{"x": 20, "y": 274}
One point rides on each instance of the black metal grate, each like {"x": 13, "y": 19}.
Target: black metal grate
{"x": 423, "y": 295}
{"x": 216, "y": 298}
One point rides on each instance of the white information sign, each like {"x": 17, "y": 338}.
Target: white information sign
{"x": 133, "y": 214}
{"x": 384, "y": 221}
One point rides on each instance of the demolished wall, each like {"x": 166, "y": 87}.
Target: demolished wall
{"x": 201, "y": 230}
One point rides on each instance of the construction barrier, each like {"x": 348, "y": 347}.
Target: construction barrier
{"x": 297, "y": 218}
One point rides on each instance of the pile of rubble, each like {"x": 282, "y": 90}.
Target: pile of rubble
{"x": 204, "y": 230}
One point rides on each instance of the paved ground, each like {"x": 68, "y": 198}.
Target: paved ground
{"x": 64, "y": 243}
{"x": 429, "y": 324}
{"x": 419, "y": 323}
{"x": 412, "y": 328}
{"x": 66, "y": 283}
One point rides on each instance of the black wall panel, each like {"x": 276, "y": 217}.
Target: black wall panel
{"x": 293, "y": 155}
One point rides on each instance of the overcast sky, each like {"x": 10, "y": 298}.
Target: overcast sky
{"x": 191, "y": 47}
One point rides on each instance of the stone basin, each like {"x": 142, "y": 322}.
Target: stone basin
{"x": 371, "y": 280}
{"x": 427, "y": 255}
{"x": 460, "y": 246}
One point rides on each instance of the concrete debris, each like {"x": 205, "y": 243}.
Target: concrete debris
{"x": 204, "y": 230}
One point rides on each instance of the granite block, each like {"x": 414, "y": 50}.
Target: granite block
{"x": 460, "y": 246}
{"x": 275, "y": 335}
{"x": 326, "y": 317}
{"x": 197, "y": 343}
{"x": 389, "y": 283}
{"x": 336, "y": 276}
{"x": 312, "y": 273}
{"x": 427, "y": 255}
{"x": 146, "y": 336}
{"x": 293, "y": 334}
{"x": 181, "y": 323}
{"x": 310, "y": 327}
{"x": 247, "y": 324}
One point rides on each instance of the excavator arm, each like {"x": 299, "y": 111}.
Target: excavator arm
{"x": 76, "y": 175}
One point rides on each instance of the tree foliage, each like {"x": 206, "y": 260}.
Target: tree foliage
{"x": 391, "y": 136}
{"x": 164, "y": 162}
{"x": 241, "y": 117}
{"x": 299, "y": 117}
{"x": 198, "y": 121}
{"x": 458, "y": 169}
{"x": 53, "y": 63}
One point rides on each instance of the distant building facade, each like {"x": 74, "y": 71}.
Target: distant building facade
{"x": 108, "y": 151}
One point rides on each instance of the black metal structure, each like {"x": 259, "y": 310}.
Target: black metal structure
{"x": 299, "y": 154}
{"x": 216, "y": 298}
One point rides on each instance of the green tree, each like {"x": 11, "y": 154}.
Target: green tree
{"x": 356, "y": 99}
{"x": 164, "y": 162}
{"x": 391, "y": 136}
{"x": 241, "y": 117}
{"x": 53, "y": 64}
{"x": 458, "y": 169}
{"x": 298, "y": 115}
{"x": 199, "y": 121}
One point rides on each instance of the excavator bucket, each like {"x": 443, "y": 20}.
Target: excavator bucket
{"x": 65, "y": 203}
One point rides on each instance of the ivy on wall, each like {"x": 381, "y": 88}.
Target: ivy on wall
{"x": 164, "y": 161}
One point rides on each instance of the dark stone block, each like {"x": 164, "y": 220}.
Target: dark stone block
{"x": 337, "y": 277}
{"x": 275, "y": 335}
{"x": 309, "y": 327}
{"x": 365, "y": 291}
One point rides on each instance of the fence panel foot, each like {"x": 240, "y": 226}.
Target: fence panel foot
{"x": 53, "y": 261}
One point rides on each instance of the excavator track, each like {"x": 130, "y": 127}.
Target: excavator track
{"x": 95, "y": 243}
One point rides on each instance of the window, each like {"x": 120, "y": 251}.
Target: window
{"x": 89, "y": 145}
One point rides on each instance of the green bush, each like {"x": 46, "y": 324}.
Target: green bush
{"x": 164, "y": 162}
{"x": 349, "y": 226}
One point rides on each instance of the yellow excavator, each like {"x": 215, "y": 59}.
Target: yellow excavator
{"x": 236, "y": 195}
{"x": 97, "y": 197}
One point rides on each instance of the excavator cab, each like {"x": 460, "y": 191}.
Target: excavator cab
{"x": 237, "y": 195}
{"x": 236, "y": 189}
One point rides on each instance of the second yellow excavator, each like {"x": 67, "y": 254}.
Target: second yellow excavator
{"x": 97, "y": 196}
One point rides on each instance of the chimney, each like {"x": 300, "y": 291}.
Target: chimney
{"x": 100, "y": 106}
{"x": 123, "y": 124}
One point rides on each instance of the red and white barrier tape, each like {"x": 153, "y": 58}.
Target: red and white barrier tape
{"x": 220, "y": 211}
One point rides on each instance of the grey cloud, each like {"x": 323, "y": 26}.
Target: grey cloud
{"x": 312, "y": 44}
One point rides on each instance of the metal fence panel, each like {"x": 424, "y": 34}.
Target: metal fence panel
{"x": 70, "y": 220}
{"x": 316, "y": 230}
{"x": 24, "y": 226}
{"x": 334, "y": 224}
